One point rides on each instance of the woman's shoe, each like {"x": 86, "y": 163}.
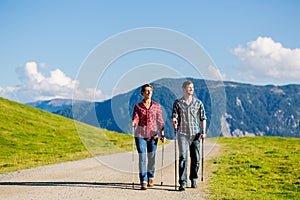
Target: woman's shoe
{"x": 144, "y": 186}
{"x": 151, "y": 182}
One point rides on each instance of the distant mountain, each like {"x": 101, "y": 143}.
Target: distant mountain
{"x": 53, "y": 105}
{"x": 233, "y": 109}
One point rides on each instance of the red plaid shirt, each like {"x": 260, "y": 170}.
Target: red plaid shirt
{"x": 149, "y": 121}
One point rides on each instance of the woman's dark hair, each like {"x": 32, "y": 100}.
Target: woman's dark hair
{"x": 144, "y": 87}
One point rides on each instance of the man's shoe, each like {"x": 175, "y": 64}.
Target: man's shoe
{"x": 194, "y": 184}
{"x": 144, "y": 186}
{"x": 151, "y": 182}
{"x": 181, "y": 188}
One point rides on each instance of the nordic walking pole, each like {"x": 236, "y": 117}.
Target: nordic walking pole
{"x": 132, "y": 157}
{"x": 175, "y": 141}
{"x": 162, "y": 163}
{"x": 202, "y": 159}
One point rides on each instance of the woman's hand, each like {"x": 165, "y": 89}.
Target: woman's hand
{"x": 133, "y": 123}
{"x": 163, "y": 139}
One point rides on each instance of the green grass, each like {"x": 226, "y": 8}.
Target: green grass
{"x": 30, "y": 137}
{"x": 256, "y": 168}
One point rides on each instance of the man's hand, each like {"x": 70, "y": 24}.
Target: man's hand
{"x": 203, "y": 135}
{"x": 174, "y": 123}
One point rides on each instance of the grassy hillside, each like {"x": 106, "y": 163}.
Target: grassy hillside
{"x": 256, "y": 168}
{"x": 30, "y": 137}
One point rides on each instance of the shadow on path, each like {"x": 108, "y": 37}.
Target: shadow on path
{"x": 89, "y": 184}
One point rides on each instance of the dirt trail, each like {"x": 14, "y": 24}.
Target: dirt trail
{"x": 104, "y": 177}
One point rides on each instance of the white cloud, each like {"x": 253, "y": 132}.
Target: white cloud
{"x": 31, "y": 73}
{"x": 266, "y": 59}
{"x": 36, "y": 86}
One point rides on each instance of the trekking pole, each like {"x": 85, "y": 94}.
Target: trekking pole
{"x": 132, "y": 157}
{"x": 202, "y": 159}
{"x": 162, "y": 163}
{"x": 175, "y": 141}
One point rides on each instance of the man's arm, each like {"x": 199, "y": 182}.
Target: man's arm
{"x": 203, "y": 124}
{"x": 202, "y": 119}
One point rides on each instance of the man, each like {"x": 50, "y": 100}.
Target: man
{"x": 188, "y": 115}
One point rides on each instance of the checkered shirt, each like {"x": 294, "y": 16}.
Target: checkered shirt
{"x": 189, "y": 117}
{"x": 149, "y": 121}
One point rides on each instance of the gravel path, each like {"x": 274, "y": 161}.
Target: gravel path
{"x": 104, "y": 177}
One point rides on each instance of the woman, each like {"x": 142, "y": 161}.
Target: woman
{"x": 148, "y": 121}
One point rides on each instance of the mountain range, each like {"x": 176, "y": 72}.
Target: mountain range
{"x": 54, "y": 105}
{"x": 232, "y": 108}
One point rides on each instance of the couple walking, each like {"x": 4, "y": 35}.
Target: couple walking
{"x": 188, "y": 117}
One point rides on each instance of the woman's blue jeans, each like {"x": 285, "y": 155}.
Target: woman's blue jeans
{"x": 185, "y": 144}
{"x": 147, "y": 151}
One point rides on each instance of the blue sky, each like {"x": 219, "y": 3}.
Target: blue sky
{"x": 45, "y": 43}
